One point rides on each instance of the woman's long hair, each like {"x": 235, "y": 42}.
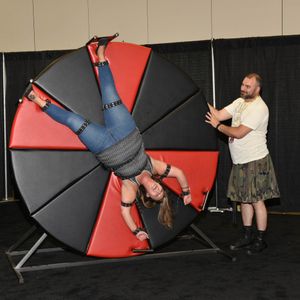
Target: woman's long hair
{"x": 165, "y": 215}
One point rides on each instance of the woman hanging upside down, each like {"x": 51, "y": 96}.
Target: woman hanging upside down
{"x": 119, "y": 147}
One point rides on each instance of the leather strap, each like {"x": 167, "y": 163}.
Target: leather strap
{"x": 139, "y": 229}
{"x": 166, "y": 173}
{"x": 101, "y": 63}
{"x": 124, "y": 204}
{"x": 47, "y": 104}
{"x": 111, "y": 105}
{"x": 83, "y": 127}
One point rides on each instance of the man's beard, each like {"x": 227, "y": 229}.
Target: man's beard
{"x": 247, "y": 96}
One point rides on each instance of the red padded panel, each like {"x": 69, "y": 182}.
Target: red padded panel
{"x": 33, "y": 129}
{"x": 127, "y": 63}
{"x": 199, "y": 167}
{"x": 111, "y": 237}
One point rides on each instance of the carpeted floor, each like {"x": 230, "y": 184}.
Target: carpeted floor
{"x": 274, "y": 274}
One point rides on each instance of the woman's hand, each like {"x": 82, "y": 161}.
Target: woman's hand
{"x": 142, "y": 235}
{"x": 187, "y": 199}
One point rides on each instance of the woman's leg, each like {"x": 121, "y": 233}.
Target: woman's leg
{"x": 117, "y": 118}
{"x": 92, "y": 135}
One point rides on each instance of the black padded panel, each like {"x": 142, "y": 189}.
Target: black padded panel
{"x": 162, "y": 89}
{"x": 183, "y": 215}
{"x": 183, "y": 129}
{"x": 72, "y": 82}
{"x": 71, "y": 216}
{"x": 64, "y": 192}
{"x": 2, "y": 174}
{"x": 41, "y": 175}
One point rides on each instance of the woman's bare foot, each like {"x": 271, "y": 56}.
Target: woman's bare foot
{"x": 102, "y": 44}
{"x": 36, "y": 99}
{"x": 101, "y": 53}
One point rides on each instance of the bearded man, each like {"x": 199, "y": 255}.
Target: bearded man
{"x": 252, "y": 179}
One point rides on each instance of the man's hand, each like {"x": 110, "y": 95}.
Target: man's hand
{"x": 211, "y": 119}
{"x": 210, "y": 107}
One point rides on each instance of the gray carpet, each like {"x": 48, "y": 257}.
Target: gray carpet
{"x": 274, "y": 274}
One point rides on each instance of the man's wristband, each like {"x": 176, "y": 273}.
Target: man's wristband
{"x": 218, "y": 125}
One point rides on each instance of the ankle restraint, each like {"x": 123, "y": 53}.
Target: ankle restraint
{"x": 101, "y": 63}
{"x": 111, "y": 105}
{"x": 47, "y": 104}
{"x": 83, "y": 127}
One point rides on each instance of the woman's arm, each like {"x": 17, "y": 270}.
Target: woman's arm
{"x": 181, "y": 178}
{"x": 128, "y": 193}
{"x": 160, "y": 168}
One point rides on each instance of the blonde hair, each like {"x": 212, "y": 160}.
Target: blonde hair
{"x": 165, "y": 215}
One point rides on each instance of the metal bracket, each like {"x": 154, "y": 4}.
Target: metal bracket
{"x": 19, "y": 267}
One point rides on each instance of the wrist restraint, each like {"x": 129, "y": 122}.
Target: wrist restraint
{"x": 137, "y": 230}
{"x": 185, "y": 193}
{"x": 124, "y": 204}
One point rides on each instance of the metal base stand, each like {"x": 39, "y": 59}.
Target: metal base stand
{"x": 8, "y": 200}
{"x": 217, "y": 209}
{"x": 19, "y": 268}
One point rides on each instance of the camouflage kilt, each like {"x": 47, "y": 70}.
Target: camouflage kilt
{"x": 253, "y": 181}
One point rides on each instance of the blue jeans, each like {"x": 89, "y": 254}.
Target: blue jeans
{"x": 118, "y": 121}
